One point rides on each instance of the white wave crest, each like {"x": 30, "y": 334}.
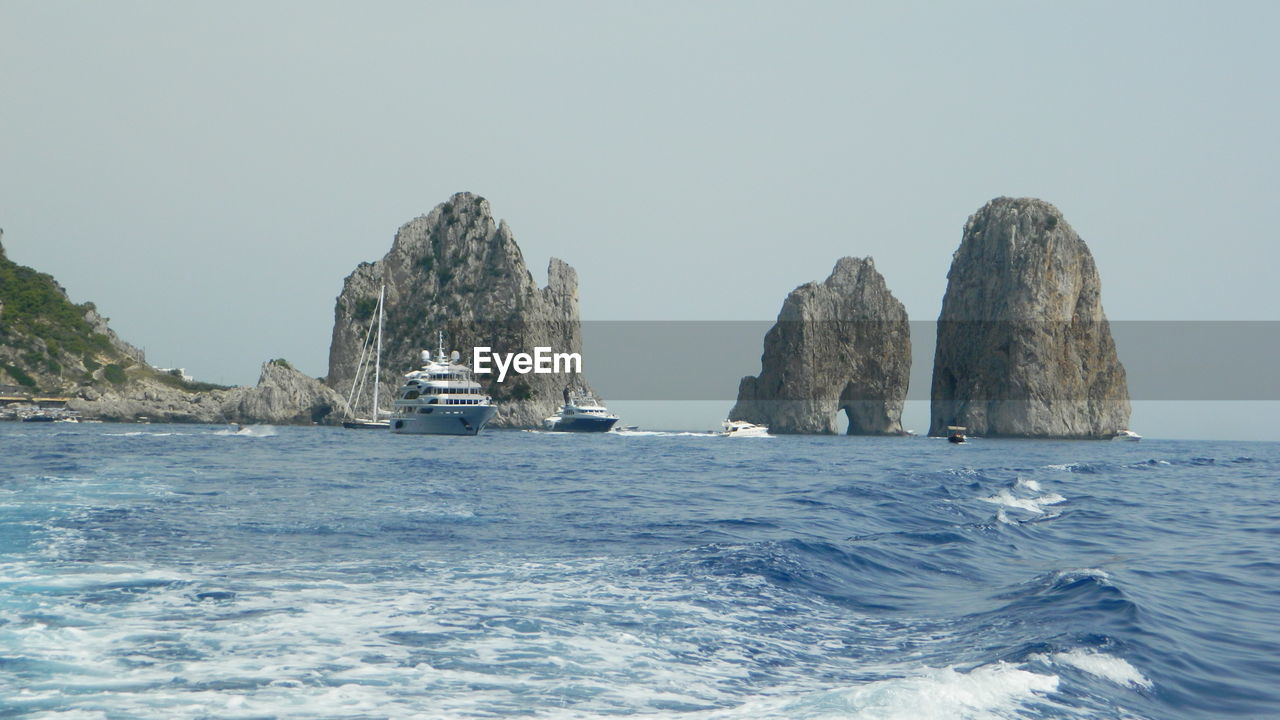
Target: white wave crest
{"x": 1095, "y": 573}
{"x": 257, "y": 431}
{"x": 1032, "y": 505}
{"x": 990, "y": 691}
{"x": 1107, "y": 667}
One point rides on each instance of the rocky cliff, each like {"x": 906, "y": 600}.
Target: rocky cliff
{"x": 456, "y": 271}
{"x": 843, "y": 344}
{"x": 283, "y": 396}
{"x": 1024, "y": 348}
{"x": 50, "y": 346}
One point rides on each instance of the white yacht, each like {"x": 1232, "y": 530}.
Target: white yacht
{"x": 1129, "y": 435}
{"x": 441, "y": 399}
{"x": 581, "y": 412}
{"x": 740, "y": 428}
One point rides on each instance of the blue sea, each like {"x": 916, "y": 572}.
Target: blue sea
{"x": 180, "y": 571}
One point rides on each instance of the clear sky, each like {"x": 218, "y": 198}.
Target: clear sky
{"x": 208, "y": 173}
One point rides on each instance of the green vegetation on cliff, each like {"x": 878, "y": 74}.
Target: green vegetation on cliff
{"x": 31, "y": 303}
{"x": 46, "y": 341}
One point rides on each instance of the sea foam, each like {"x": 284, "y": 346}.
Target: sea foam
{"x": 1102, "y": 665}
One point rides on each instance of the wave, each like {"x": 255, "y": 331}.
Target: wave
{"x": 1107, "y": 667}
{"x": 254, "y": 431}
{"x": 146, "y": 433}
{"x": 993, "y": 691}
{"x": 1032, "y": 505}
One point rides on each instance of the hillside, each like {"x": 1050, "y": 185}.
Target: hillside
{"x": 50, "y": 346}
{"x": 53, "y": 346}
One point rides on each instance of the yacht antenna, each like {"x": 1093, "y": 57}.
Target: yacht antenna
{"x": 440, "y": 337}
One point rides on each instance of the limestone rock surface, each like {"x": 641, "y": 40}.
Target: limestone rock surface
{"x": 457, "y": 271}
{"x": 842, "y": 344}
{"x": 283, "y": 396}
{"x": 1024, "y": 348}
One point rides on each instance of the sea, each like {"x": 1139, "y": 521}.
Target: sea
{"x": 187, "y": 571}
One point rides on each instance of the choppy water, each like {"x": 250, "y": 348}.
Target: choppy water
{"x": 183, "y": 571}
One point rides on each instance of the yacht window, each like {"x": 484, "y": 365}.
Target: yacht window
{"x": 412, "y": 395}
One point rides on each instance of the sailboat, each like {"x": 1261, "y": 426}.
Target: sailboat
{"x": 362, "y": 371}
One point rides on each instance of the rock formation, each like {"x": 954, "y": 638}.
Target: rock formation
{"x": 455, "y": 271}
{"x": 1024, "y": 349}
{"x": 283, "y": 396}
{"x": 843, "y": 344}
{"x": 50, "y": 346}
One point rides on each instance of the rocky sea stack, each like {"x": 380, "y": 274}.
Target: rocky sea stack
{"x": 1024, "y": 348}
{"x": 456, "y": 271}
{"x": 843, "y": 344}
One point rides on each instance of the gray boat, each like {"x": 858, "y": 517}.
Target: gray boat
{"x": 581, "y": 412}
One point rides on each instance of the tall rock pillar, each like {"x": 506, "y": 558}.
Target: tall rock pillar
{"x": 1024, "y": 348}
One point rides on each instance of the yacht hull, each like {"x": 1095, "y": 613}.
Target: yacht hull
{"x": 445, "y": 420}
{"x": 582, "y": 424}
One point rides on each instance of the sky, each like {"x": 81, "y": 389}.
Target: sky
{"x": 208, "y": 173}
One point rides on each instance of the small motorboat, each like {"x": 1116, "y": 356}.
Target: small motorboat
{"x": 955, "y": 433}
{"x": 1129, "y": 435}
{"x": 740, "y": 428}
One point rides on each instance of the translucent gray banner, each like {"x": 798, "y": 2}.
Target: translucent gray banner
{"x": 704, "y": 360}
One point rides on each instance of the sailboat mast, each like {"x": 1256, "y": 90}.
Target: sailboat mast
{"x": 377, "y": 365}
{"x": 362, "y": 371}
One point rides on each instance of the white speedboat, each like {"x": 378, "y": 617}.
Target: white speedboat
{"x": 441, "y": 398}
{"x": 1129, "y": 435}
{"x": 581, "y": 412}
{"x": 739, "y": 428}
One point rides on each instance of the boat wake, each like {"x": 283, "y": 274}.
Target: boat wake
{"x": 661, "y": 433}
{"x": 255, "y": 431}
